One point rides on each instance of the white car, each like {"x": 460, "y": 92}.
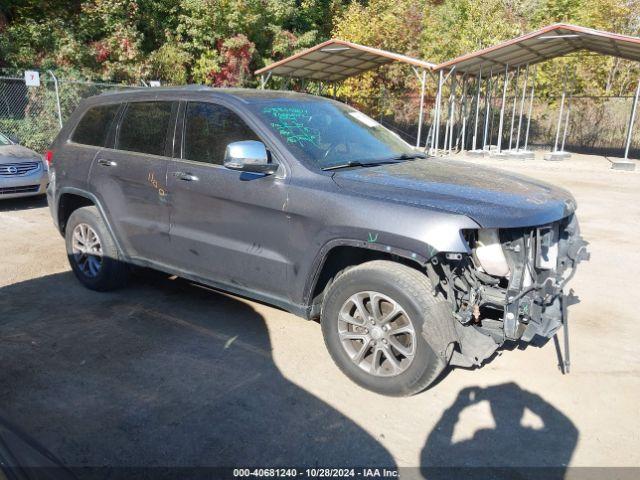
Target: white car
{"x": 23, "y": 172}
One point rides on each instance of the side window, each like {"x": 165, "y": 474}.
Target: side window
{"x": 144, "y": 127}
{"x": 208, "y": 129}
{"x": 94, "y": 125}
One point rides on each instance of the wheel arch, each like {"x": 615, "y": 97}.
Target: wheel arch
{"x": 71, "y": 199}
{"x": 338, "y": 254}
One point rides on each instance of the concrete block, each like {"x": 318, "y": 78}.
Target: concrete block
{"x": 556, "y": 156}
{"x": 477, "y": 153}
{"x": 621, "y": 164}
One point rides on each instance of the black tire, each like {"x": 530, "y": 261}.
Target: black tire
{"x": 112, "y": 273}
{"x": 409, "y": 288}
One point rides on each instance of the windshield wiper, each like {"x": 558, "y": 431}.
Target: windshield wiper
{"x": 395, "y": 159}
{"x": 353, "y": 163}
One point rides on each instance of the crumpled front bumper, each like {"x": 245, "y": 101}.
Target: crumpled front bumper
{"x": 536, "y": 312}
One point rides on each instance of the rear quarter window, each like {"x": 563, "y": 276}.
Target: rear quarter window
{"x": 94, "y": 125}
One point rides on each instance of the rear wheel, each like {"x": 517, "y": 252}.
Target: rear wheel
{"x": 92, "y": 252}
{"x": 372, "y": 322}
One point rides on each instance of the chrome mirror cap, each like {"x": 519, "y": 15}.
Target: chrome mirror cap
{"x": 249, "y": 156}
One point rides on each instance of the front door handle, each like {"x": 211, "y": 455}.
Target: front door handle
{"x": 107, "y": 163}
{"x": 185, "y": 176}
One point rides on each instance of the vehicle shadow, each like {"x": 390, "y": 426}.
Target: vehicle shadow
{"x": 162, "y": 374}
{"x": 24, "y": 203}
{"x": 529, "y": 439}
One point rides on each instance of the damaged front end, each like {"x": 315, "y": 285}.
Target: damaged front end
{"x": 510, "y": 288}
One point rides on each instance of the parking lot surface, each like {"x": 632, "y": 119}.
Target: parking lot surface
{"x": 165, "y": 373}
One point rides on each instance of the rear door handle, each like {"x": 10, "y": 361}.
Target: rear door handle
{"x": 187, "y": 177}
{"x": 107, "y": 163}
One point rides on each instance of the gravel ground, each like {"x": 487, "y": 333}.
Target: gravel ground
{"x": 165, "y": 373}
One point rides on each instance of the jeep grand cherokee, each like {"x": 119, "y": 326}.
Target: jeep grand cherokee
{"x": 410, "y": 263}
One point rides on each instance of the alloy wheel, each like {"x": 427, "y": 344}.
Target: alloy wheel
{"x": 376, "y": 333}
{"x": 87, "y": 250}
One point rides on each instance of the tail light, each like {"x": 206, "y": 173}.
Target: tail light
{"x": 48, "y": 156}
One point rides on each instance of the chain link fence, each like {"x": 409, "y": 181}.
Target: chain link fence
{"x": 30, "y": 113}
{"x": 597, "y": 125}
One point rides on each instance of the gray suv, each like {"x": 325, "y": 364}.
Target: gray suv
{"x": 410, "y": 263}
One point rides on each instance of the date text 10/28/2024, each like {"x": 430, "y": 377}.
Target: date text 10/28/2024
{"x": 316, "y": 472}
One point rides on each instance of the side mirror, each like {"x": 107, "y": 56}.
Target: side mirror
{"x": 249, "y": 156}
{"x": 13, "y": 138}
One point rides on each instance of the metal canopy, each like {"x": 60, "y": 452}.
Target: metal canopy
{"x": 335, "y": 60}
{"x": 548, "y": 42}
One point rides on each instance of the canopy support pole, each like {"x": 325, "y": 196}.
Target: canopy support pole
{"x": 436, "y": 137}
{"x": 452, "y": 111}
{"x": 263, "y": 80}
{"x": 504, "y": 98}
{"x": 524, "y": 93}
{"x": 445, "y": 146}
{"x": 634, "y": 109}
{"x": 475, "y": 126}
{"x": 436, "y": 106}
{"x": 564, "y": 93}
{"x": 423, "y": 82}
{"x": 463, "y": 112}
{"x": 513, "y": 110}
{"x": 428, "y": 144}
{"x": 444, "y": 80}
{"x": 566, "y": 123}
{"x": 533, "y": 88}
{"x": 487, "y": 107}
{"x": 436, "y": 122}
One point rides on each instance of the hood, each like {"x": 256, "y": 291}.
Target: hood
{"x": 493, "y": 198}
{"x": 17, "y": 153}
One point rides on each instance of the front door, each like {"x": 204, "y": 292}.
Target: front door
{"x": 130, "y": 179}
{"x": 227, "y": 227}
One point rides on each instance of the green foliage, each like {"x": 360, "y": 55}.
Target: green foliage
{"x": 170, "y": 63}
{"x": 175, "y": 41}
{"x": 221, "y": 41}
{"x": 205, "y": 66}
{"x": 392, "y": 26}
{"x": 469, "y": 25}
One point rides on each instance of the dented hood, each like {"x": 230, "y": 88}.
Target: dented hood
{"x": 491, "y": 197}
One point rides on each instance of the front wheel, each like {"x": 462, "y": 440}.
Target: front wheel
{"x": 372, "y": 323}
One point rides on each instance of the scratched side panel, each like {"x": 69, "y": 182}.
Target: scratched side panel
{"x": 230, "y": 227}
{"x": 134, "y": 199}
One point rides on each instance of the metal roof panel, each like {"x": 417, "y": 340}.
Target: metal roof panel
{"x": 569, "y": 38}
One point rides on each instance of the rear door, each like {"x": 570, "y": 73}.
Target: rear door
{"x": 130, "y": 178}
{"x": 73, "y": 159}
{"x": 226, "y": 226}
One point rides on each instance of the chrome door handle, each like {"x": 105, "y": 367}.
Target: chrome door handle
{"x": 187, "y": 177}
{"x": 107, "y": 163}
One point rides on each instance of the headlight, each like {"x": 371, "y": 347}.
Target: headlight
{"x": 489, "y": 253}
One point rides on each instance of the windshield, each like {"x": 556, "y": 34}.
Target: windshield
{"x": 4, "y": 140}
{"x": 328, "y": 134}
